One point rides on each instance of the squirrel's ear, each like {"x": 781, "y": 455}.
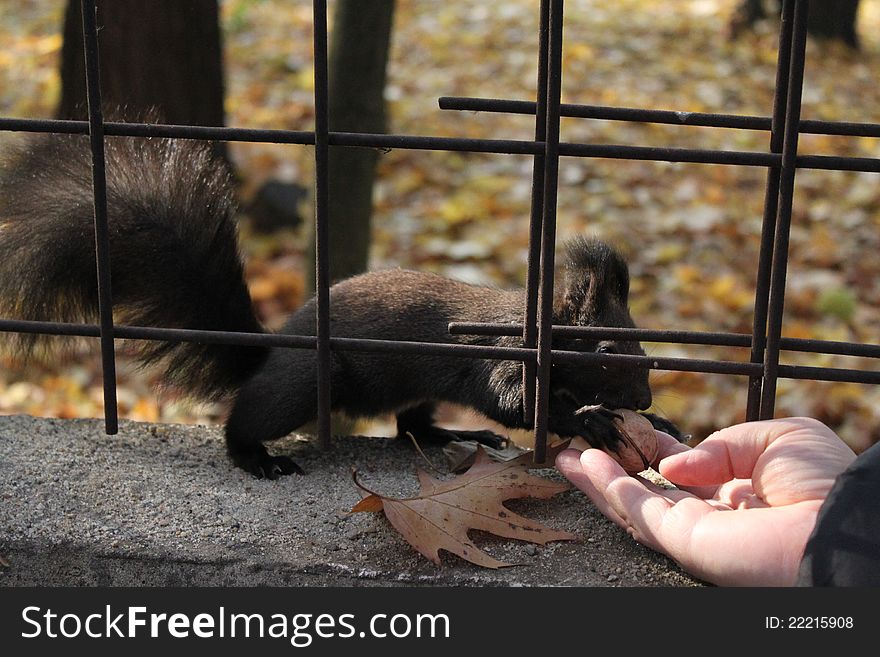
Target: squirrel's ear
{"x": 571, "y": 297}
{"x": 621, "y": 282}
{"x": 601, "y": 262}
{"x": 574, "y": 282}
{"x": 595, "y": 276}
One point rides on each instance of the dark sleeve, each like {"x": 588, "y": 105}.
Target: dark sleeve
{"x": 844, "y": 548}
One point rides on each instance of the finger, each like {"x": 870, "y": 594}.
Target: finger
{"x": 710, "y": 543}
{"x": 734, "y": 451}
{"x": 568, "y": 462}
{"x": 571, "y": 464}
{"x": 604, "y": 473}
{"x": 706, "y": 541}
{"x": 653, "y": 519}
{"x": 646, "y": 512}
{"x": 669, "y": 446}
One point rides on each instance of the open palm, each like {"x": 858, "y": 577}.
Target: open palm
{"x": 746, "y": 500}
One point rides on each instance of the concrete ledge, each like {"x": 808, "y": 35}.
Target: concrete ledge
{"x": 160, "y": 505}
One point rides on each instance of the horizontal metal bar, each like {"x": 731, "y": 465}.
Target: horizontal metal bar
{"x": 840, "y": 375}
{"x": 601, "y": 112}
{"x": 659, "y": 363}
{"x": 838, "y": 163}
{"x": 835, "y": 347}
{"x": 607, "y": 113}
{"x": 434, "y": 349}
{"x": 159, "y": 130}
{"x": 669, "y": 117}
{"x": 722, "y": 339}
{"x": 836, "y": 374}
{"x": 839, "y": 128}
{"x": 62, "y": 329}
{"x": 368, "y": 140}
{"x": 381, "y": 141}
{"x": 384, "y": 141}
{"x": 665, "y": 154}
{"x": 269, "y": 340}
{"x": 607, "y": 333}
{"x": 363, "y": 140}
{"x": 452, "y": 350}
{"x": 58, "y": 126}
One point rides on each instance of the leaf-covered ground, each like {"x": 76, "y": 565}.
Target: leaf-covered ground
{"x": 690, "y": 231}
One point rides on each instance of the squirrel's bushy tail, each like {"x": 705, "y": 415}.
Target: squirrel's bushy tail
{"x": 173, "y": 250}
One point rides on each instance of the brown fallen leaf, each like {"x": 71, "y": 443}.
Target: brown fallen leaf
{"x": 443, "y": 513}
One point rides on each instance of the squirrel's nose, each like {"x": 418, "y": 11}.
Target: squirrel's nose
{"x": 643, "y": 400}
{"x": 635, "y": 400}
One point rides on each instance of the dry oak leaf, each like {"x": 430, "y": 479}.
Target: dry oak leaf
{"x": 443, "y": 513}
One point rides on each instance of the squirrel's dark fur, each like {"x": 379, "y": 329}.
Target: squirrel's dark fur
{"x": 175, "y": 262}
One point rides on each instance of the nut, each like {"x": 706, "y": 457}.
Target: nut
{"x": 639, "y": 446}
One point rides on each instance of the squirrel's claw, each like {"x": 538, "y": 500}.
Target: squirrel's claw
{"x": 279, "y": 466}
{"x": 263, "y": 465}
{"x": 599, "y": 428}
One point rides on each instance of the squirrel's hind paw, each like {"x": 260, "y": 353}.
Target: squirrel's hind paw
{"x": 263, "y": 465}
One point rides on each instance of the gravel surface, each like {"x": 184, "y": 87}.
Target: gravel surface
{"x": 161, "y": 505}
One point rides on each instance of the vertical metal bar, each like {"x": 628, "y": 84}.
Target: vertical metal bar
{"x": 548, "y": 232}
{"x": 530, "y": 321}
{"x": 786, "y": 200}
{"x": 102, "y": 234}
{"x": 771, "y": 209}
{"x": 322, "y": 250}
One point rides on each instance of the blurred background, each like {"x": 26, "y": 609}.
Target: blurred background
{"x": 690, "y": 232}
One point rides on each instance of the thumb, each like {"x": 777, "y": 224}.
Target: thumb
{"x": 732, "y": 452}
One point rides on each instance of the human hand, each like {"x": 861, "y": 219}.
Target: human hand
{"x": 746, "y": 501}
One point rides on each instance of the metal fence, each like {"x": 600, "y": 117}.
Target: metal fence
{"x": 782, "y": 161}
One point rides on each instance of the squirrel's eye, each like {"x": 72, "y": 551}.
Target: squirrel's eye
{"x": 606, "y": 349}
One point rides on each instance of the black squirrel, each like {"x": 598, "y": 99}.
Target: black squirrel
{"x": 175, "y": 262}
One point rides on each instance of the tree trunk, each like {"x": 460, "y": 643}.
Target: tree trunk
{"x": 834, "y": 19}
{"x": 827, "y": 19}
{"x": 156, "y": 55}
{"x": 358, "y": 60}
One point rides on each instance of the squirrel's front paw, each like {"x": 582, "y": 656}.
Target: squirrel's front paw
{"x": 598, "y": 426}
{"x": 666, "y": 426}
